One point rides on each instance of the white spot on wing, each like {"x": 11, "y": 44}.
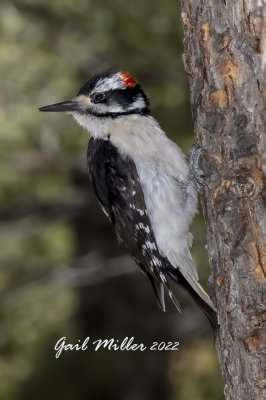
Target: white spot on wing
{"x": 156, "y": 261}
{"x": 142, "y": 226}
{"x": 147, "y": 229}
{"x": 162, "y": 276}
{"x": 150, "y": 245}
{"x": 141, "y": 212}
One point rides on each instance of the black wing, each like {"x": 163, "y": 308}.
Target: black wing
{"x": 117, "y": 186}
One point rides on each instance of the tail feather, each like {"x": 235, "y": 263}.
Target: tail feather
{"x": 195, "y": 290}
{"x": 158, "y": 289}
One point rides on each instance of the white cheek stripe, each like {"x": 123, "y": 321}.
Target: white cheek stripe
{"x": 138, "y": 103}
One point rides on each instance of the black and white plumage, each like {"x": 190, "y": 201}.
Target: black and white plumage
{"x": 142, "y": 181}
{"x": 117, "y": 186}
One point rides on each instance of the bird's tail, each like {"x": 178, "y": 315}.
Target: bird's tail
{"x": 158, "y": 289}
{"x": 195, "y": 290}
{"x": 159, "y": 284}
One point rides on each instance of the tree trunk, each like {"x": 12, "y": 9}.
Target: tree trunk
{"x": 263, "y": 57}
{"x": 222, "y": 56}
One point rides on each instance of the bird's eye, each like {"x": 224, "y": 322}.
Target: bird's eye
{"x": 97, "y": 97}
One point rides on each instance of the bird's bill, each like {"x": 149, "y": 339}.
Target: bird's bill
{"x": 64, "y": 106}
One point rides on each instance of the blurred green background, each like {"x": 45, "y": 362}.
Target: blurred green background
{"x": 62, "y": 272}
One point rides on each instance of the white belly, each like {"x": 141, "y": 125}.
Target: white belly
{"x": 170, "y": 208}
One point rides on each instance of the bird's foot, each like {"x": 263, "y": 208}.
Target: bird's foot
{"x": 196, "y": 173}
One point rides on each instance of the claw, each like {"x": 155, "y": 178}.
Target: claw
{"x": 196, "y": 173}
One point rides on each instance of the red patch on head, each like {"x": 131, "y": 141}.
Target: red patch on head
{"x": 128, "y": 80}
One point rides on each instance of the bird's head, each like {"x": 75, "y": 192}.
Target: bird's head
{"x": 104, "y": 97}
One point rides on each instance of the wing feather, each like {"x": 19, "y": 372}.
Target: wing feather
{"x": 117, "y": 186}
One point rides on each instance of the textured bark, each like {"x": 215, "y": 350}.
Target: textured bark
{"x": 222, "y": 56}
{"x": 263, "y": 63}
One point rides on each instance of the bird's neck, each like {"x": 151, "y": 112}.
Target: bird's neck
{"x": 129, "y": 130}
{"x": 138, "y": 137}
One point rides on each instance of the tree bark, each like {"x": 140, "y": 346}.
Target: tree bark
{"x": 222, "y": 56}
{"x": 263, "y": 64}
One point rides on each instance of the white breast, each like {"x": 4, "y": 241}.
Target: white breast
{"x": 170, "y": 198}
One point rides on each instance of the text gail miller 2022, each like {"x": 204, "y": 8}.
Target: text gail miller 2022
{"x": 127, "y": 344}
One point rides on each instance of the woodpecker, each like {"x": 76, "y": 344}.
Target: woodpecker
{"x": 142, "y": 181}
